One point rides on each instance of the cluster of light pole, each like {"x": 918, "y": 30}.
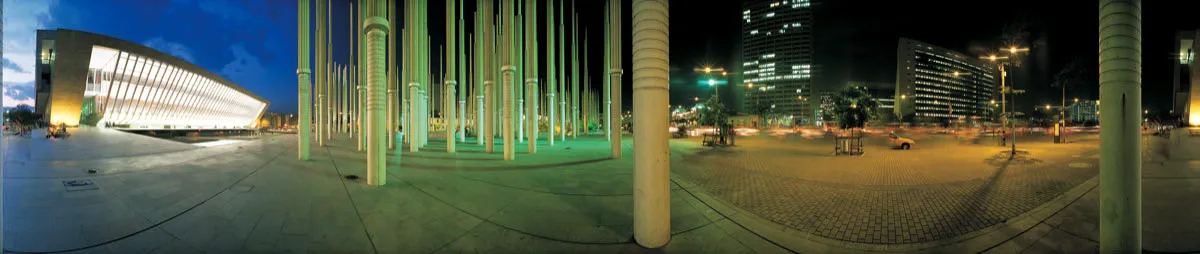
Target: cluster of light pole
{"x": 382, "y": 93}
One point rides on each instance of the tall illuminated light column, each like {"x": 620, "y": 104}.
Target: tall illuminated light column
{"x": 479, "y": 73}
{"x": 1120, "y": 127}
{"x": 392, "y": 82}
{"x": 562, "y": 75}
{"x": 462, "y": 65}
{"x": 506, "y": 72}
{"x": 489, "y": 76}
{"x": 320, "y": 63}
{"x": 551, "y": 75}
{"x": 410, "y": 114}
{"x": 651, "y": 164}
{"x": 606, "y": 98}
{"x": 613, "y": 108}
{"x": 518, "y": 56}
{"x": 375, "y": 29}
{"x": 361, "y": 74}
{"x": 574, "y": 72}
{"x": 448, "y": 115}
{"x": 330, "y": 72}
{"x": 531, "y": 83}
{"x": 303, "y": 73}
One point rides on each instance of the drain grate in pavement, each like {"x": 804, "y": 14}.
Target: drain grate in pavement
{"x": 351, "y": 177}
{"x": 79, "y": 185}
{"x": 93, "y": 170}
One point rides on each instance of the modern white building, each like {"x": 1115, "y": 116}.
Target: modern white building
{"x": 95, "y": 80}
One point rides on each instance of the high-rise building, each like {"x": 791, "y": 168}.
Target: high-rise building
{"x": 936, "y": 85}
{"x": 1186, "y": 102}
{"x": 1083, "y": 111}
{"x": 777, "y": 49}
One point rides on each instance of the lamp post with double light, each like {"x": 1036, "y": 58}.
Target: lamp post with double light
{"x": 1005, "y": 89}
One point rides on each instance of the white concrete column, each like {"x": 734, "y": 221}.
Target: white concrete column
{"x": 375, "y": 27}
{"x": 1120, "y": 132}
{"x": 651, "y": 164}
{"x": 304, "y": 104}
{"x": 613, "y": 109}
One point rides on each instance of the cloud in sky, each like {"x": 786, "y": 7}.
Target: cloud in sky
{"x": 9, "y": 64}
{"x": 245, "y": 67}
{"x": 173, "y": 48}
{"x": 22, "y": 19}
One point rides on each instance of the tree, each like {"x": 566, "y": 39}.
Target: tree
{"x": 853, "y": 107}
{"x": 712, "y": 113}
{"x": 764, "y": 112}
{"x": 1074, "y": 74}
{"x": 22, "y": 113}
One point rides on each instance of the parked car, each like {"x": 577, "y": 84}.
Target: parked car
{"x": 900, "y": 142}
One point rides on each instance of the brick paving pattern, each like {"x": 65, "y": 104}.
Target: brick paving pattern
{"x": 888, "y": 196}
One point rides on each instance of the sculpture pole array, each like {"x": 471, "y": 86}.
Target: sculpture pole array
{"x": 506, "y": 72}
{"x": 574, "y": 73}
{"x": 562, "y": 77}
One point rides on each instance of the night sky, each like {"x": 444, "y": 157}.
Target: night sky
{"x": 252, "y": 43}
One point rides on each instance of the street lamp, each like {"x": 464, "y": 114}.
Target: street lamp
{"x": 1004, "y": 89}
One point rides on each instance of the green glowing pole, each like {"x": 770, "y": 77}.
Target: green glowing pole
{"x": 320, "y": 64}
{"x": 531, "y": 74}
{"x": 1120, "y": 144}
{"x": 562, "y": 73}
{"x": 506, "y": 70}
{"x": 303, "y": 73}
{"x": 574, "y": 72}
{"x": 551, "y": 75}
{"x": 392, "y": 81}
{"x": 448, "y": 114}
{"x": 462, "y": 76}
{"x": 489, "y": 39}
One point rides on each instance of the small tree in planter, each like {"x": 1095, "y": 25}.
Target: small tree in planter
{"x": 853, "y": 107}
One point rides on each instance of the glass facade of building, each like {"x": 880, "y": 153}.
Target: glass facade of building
{"x": 134, "y": 91}
{"x": 934, "y": 84}
{"x": 95, "y": 80}
{"x": 777, "y": 56}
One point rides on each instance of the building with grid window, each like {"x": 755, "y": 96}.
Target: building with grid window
{"x": 95, "y": 80}
{"x": 937, "y": 85}
{"x": 777, "y": 49}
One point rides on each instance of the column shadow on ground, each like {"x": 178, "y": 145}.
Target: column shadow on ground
{"x": 502, "y": 168}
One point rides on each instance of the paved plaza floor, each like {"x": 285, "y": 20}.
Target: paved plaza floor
{"x": 763, "y": 196}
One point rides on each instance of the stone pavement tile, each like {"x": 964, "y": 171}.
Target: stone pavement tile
{"x": 685, "y": 216}
{"x": 753, "y": 242}
{"x": 1081, "y": 217}
{"x": 568, "y": 218}
{"x": 1022, "y": 241}
{"x": 265, "y": 233}
{"x": 490, "y": 238}
{"x": 707, "y": 239}
{"x": 477, "y": 198}
{"x": 143, "y": 242}
{"x": 1058, "y": 241}
{"x": 175, "y": 247}
{"x": 223, "y": 243}
{"x": 93, "y": 250}
{"x": 1170, "y": 221}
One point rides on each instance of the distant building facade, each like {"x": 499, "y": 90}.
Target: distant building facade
{"x": 935, "y": 85}
{"x": 90, "y": 79}
{"x": 1084, "y": 111}
{"x": 1186, "y": 83}
{"x": 777, "y": 49}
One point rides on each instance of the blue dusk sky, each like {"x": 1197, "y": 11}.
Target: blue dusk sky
{"x": 252, "y": 43}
